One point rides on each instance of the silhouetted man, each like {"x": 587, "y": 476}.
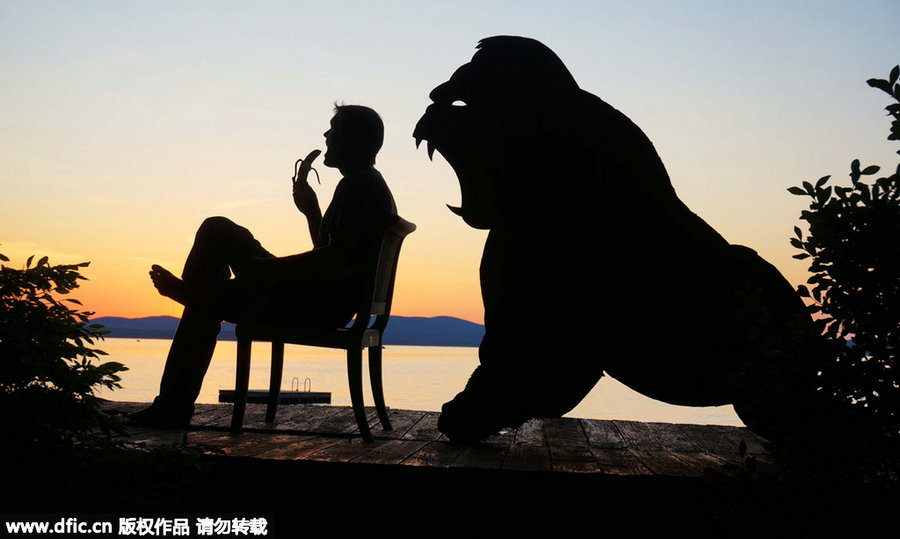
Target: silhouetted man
{"x": 316, "y": 288}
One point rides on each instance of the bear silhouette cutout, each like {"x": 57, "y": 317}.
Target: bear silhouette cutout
{"x": 593, "y": 265}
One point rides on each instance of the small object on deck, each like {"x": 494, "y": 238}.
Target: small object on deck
{"x": 261, "y": 396}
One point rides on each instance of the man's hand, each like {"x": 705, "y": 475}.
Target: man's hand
{"x": 306, "y": 200}
{"x": 304, "y": 197}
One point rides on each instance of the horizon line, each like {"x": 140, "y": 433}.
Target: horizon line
{"x": 176, "y": 317}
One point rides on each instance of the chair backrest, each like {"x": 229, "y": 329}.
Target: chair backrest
{"x": 379, "y": 287}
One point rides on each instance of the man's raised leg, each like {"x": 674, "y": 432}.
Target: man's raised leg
{"x": 208, "y": 296}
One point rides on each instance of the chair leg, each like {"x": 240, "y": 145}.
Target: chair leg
{"x": 241, "y": 385}
{"x": 354, "y": 376}
{"x": 377, "y": 386}
{"x": 275, "y": 380}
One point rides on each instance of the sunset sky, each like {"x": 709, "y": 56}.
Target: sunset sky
{"x": 124, "y": 124}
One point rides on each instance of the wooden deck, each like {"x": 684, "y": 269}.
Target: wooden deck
{"x": 566, "y": 445}
{"x": 563, "y": 476}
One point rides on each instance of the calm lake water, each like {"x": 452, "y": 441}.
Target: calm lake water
{"x": 415, "y": 378}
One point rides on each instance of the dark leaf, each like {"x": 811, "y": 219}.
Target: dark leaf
{"x": 864, "y": 193}
{"x": 881, "y": 84}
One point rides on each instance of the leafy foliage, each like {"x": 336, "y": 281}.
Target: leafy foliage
{"x": 48, "y": 368}
{"x": 853, "y": 245}
{"x": 53, "y": 425}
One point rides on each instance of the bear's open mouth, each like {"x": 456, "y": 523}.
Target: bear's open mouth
{"x": 431, "y": 148}
{"x": 429, "y": 145}
{"x": 423, "y": 133}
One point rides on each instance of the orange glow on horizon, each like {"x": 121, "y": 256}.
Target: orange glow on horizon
{"x": 116, "y": 288}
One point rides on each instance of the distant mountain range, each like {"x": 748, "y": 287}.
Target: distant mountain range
{"x": 401, "y": 330}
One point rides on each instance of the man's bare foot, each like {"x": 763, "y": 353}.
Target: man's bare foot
{"x": 168, "y": 284}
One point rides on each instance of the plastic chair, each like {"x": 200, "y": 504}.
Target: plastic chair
{"x": 375, "y": 301}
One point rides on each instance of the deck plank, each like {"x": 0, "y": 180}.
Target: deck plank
{"x": 343, "y": 422}
{"x": 425, "y": 429}
{"x": 252, "y": 444}
{"x": 644, "y": 444}
{"x": 211, "y": 415}
{"x": 678, "y": 442}
{"x": 345, "y": 451}
{"x": 485, "y": 455}
{"x": 611, "y": 450}
{"x": 294, "y": 448}
{"x": 401, "y": 421}
{"x": 304, "y": 448}
{"x": 724, "y": 443}
{"x": 569, "y": 448}
{"x": 390, "y": 452}
{"x": 302, "y": 418}
{"x": 529, "y": 450}
{"x": 434, "y": 455}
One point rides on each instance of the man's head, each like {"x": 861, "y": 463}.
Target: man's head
{"x": 355, "y": 136}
